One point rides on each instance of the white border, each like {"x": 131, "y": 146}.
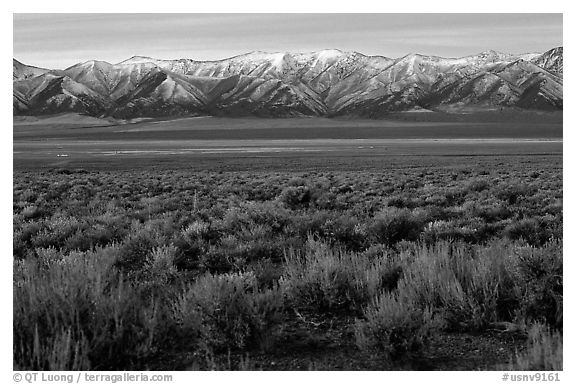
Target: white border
{"x": 295, "y": 6}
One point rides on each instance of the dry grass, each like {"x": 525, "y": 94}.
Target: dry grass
{"x": 544, "y": 352}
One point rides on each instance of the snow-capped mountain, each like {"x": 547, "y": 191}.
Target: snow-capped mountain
{"x": 22, "y": 72}
{"x": 55, "y": 93}
{"x": 553, "y": 60}
{"x": 323, "y": 83}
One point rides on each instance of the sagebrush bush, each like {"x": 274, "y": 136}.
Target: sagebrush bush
{"x": 541, "y": 272}
{"x": 229, "y": 311}
{"x": 530, "y": 230}
{"x": 157, "y": 279}
{"x": 56, "y": 231}
{"x": 135, "y": 252}
{"x": 394, "y": 224}
{"x": 544, "y": 352}
{"x": 393, "y": 325}
{"x": 58, "y": 352}
{"x": 467, "y": 288}
{"x": 75, "y": 311}
{"x": 330, "y": 280}
{"x": 296, "y": 197}
{"x": 511, "y": 193}
{"x": 188, "y": 252}
{"x": 441, "y": 230}
{"x": 31, "y": 212}
{"x": 477, "y": 185}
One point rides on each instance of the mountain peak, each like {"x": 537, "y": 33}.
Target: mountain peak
{"x": 552, "y": 60}
{"x": 330, "y": 53}
{"x": 489, "y": 52}
{"x": 491, "y": 55}
{"x": 91, "y": 64}
{"x": 138, "y": 60}
{"x": 557, "y": 50}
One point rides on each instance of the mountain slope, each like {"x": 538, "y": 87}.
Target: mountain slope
{"x": 519, "y": 84}
{"x": 22, "y": 71}
{"x": 51, "y": 93}
{"x": 552, "y": 60}
{"x": 323, "y": 83}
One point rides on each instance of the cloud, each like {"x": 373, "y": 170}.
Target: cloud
{"x": 60, "y": 40}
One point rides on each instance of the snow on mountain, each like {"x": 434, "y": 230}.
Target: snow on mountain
{"x": 99, "y": 76}
{"x": 517, "y": 84}
{"x": 528, "y": 56}
{"x": 140, "y": 60}
{"x": 52, "y": 93}
{"x": 552, "y": 61}
{"x": 327, "y": 82}
{"x": 22, "y": 71}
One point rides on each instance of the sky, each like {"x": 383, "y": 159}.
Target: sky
{"x": 57, "y": 41}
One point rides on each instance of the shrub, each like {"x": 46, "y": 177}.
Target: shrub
{"x": 265, "y": 249}
{"x": 511, "y": 193}
{"x": 156, "y": 277}
{"x": 397, "y": 202}
{"x": 529, "y": 230}
{"x": 331, "y": 280}
{"x": 393, "y": 326}
{"x": 58, "y": 229}
{"x": 197, "y": 230}
{"x": 440, "y": 230}
{"x": 135, "y": 252}
{"x": 230, "y": 255}
{"x": 467, "y": 289}
{"x": 302, "y": 225}
{"x": 295, "y": 197}
{"x": 76, "y": 312}
{"x": 31, "y": 212}
{"x": 347, "y": 231}
{"x": 394, "y": 224}
{"x": 541, "y": 272}
{"x": 29, "y": 230}
{"x": 544, "y": 352}
{"x": 269, "y": 214}
{"x": 478, "y": 185}
{"x": 268, "y": 273}
{"x": 19, "y": 247}
{"x": 495, "y": 212}
{"x": 188, "y": 253}
{"x": 61, "y": 352}
{"x": 229, "y": 311}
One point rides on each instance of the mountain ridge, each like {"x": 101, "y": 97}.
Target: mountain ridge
{"x": 328, "y": 82}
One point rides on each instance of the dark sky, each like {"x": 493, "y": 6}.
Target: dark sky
{"x": 61, "y": 40}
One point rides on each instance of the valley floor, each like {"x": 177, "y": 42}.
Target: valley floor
{"x": 378, "y": 253}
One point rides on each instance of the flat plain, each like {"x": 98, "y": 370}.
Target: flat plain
{"x": 204, "y": 142}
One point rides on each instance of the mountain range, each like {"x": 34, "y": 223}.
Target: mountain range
{"x": 322, "y": 83}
